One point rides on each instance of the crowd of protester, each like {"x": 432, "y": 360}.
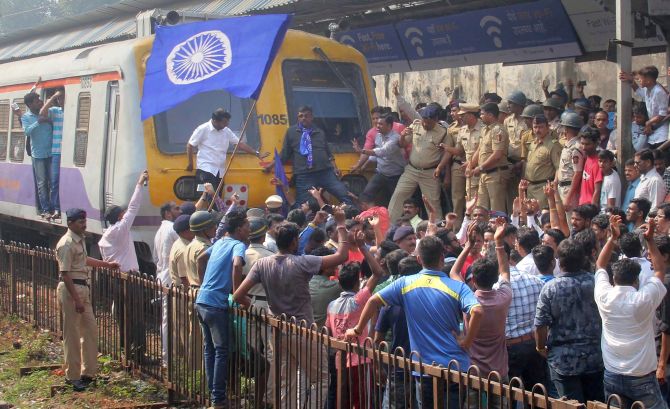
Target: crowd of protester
{"x": 503, "y": 224}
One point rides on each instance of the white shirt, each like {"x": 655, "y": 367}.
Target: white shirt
{"x": 163, "y": 241}
{"x": 611, "y": 189}
{"x": 212, "y": 146}
{"x": 656, "y": 100}
{"x": 652, "y": 188}
{"x": 116, "y": 244}
{"x": 627, "y": 314}
{"x": 646, "y": 270}
{"x": 527, "y": 264}
{"x": 270, "y": 243}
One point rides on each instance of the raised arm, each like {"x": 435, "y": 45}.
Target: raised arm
{"x": 608, "y": 248}
{"x": 128, "y": 218}
{"x": 657, "y": 258}
{"x": 342, "y": 253}
{"x": 501, "y": 254}
{"x": 377, "y": 270}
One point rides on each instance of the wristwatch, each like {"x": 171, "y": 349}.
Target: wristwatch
{"x": 258, "y": 154}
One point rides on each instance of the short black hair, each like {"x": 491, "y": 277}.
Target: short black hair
{"x": 377, "y": 110}
{"x": 393, "y": 258}
{"x": 590, "y": 133}
{"x": 408, "y": 266}
{"x": 220, "y": 114}
{"x": 543, "y": 256}
{"x": 646, "y": 155}
{"x": 571, "y": 256}
{"x": 606, "y": 155}
{"x": 349, "y": 275}
{"x": 584, "y": 211}
{"x": 305, "y": 108}
{"x": 485, "y": 272}
{"x": 626, "y": 271}
{"x": 663, "y": 244}
{"x": 630, "y": 245}
{"x": 630, "y": 162}
{"x": 274, "y": 218}
{"x": 318, "y": 236}
{"x": 528, "y": 239}
{"x": 555, "y": 234}
{"x": 30, "y": 97}
{"x": 166, "y": 208}
{"x": 510, "y": 230}
{"x": 430, "y": 250}
{"x": 643, "y": 205}
{"x": 297, "y": 216}
{"x": 601, "y": 221}
{"x": 649, "y": 71}
{"x": 235, "y": 219}
{"x": 286, "y": 233}
{"x": 587, "y": 240}
{"x": 410, "y": 201}
{"x": 388, "y": 119}
{"x": 313, "y": 205}
{"x": 665, "y": 207}
{"x": 386, "y": 247}
{"x": 321, "y": 251}
{"x": 491, "y": 108}
{"x": 545, "y": 218}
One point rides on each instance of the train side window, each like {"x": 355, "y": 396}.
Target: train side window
{"x": 17, "y": 139}
{"x": 4, "y": 128}
{"x": 81, "y": 132}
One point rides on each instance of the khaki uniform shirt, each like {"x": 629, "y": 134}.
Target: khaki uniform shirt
{"x": 515, "y": 125}
{"x": 192, "y": 252}
{"x": 494, "y": 138}
{"x": 177, "y": 260}
{"x": 469, "y": 138}
{"x": 71, "y": 255}
{"x": 425, "y": 145}
{"x": 452, "y": 140}
{"x": 566, "y": 167}
{"x": 543, "y": 160}
{"x": 251, "y": 255}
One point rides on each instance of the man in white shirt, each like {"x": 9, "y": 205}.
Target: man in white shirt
{"x": 628, "y": 310}
{"x": 656, "y": 99}
{"x": 163, "y": 241}
{"x": 527, "y": 239}
{"x": 651, "y": 186}
{"x": 212, "y": 140}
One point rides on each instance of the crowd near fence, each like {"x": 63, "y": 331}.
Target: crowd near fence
{"x": 128, "y": 310}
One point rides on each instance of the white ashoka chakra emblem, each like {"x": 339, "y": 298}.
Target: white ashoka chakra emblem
{"x": 200, "y": 57}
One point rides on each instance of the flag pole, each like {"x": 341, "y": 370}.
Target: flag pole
{"x": 244, "y": 128}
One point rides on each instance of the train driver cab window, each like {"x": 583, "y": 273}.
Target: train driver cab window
{"x": 17, "y": 140}
{"x": 335, "y": 93}
{"x": 81, "y": 131}
{"x": 4, "y": 128}
{"x": 175, "y": 126}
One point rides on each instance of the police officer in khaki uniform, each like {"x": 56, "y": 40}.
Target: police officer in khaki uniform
{"x": 466, "y": 146}
{"x": 454, "y": 176}
{"x": 529, "y": 112}
{"x": 543, "y": 160}
{"x": 80, "y": 332}
{"x": 515, "y": 125}
{"x": 426, "y": 161}
{"x": 552, "y": 111}
{"x": 203, "y": 224}
{"x": 570, "y": 164}
{"x": 492, "y": 163}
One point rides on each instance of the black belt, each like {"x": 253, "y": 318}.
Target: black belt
{"x": 564, "y": 184}
{"x": 259, "y": 297}
{"x": 79, "y": 281}
{"x": 497, "y": 168}
{"x": 513, "y": 161}
{"x": 537, "y": 182}
{"x": 418, "y": 168}
{"x": 195, "y": 286}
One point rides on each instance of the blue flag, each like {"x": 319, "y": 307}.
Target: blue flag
{"x": 281, "y": 176}
{"x": 233, "y": 54}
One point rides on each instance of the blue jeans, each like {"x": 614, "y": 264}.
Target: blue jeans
{"x": 323, "y": 178}
{"x": 632, "y": 388}
{"x": 582, "y": 387}
{"x": 54, "y": 182}
{"x": 41, "y": 170}
{"x": 424, "y": 393}
{"x": 214, "y": 325}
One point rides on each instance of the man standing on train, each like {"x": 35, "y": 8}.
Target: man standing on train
{"x": 212, "y": 140}
{"x": 53, "y": 110}
{"x": 39, "y": 130}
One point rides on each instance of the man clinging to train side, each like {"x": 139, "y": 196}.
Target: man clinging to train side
{"x": 40, "y": 132}
{"x": 212, "y": 140}
{"x": 80, "y": 333}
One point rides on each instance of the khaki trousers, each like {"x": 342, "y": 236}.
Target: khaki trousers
{"x": 493, "y": 190}
{"x": 536, "y": 191}
{"x": 80, "y": 334}
{"x": 513, "y": 189}
{"x": 303, "y": 367}
{"x": 471, "y": 186}
{"x": 458, "y": 193}
{"x": 410, "y": 179}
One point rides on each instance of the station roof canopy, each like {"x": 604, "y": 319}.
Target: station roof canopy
{"x": 394, "y": 36}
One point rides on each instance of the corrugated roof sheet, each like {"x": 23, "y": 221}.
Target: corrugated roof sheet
{"x": 237, "y": 7}
{"x": 117, "y": 29}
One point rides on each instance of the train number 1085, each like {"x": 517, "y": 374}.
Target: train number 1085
{"x": 274, "y": 119}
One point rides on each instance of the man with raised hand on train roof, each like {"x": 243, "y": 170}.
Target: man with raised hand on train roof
{"x": 39, "y": 130}
{"x": 212, "y": 140}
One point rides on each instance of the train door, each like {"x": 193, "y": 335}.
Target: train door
{"x": 113, "y": 105}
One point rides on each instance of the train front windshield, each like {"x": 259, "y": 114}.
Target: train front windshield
{"x": 336, "y": 93}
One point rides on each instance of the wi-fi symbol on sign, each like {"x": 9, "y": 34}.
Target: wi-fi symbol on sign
{"x": 415, "y": 37}
{"x": 492, "y": 26}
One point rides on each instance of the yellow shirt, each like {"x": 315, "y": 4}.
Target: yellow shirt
{"x": 177, "y": 262}
{"x": 494, "y": 138}
{"x": 469, "y": 138}
{"x": 515, "y": 125}
{"x": 543, "y": 159}
{"x": 71, "y": 255}
{"x": 191, "y": 254}
{"x": 425, "y": 145}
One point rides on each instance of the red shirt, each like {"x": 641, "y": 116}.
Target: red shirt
{"x": 591, "y": 175}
